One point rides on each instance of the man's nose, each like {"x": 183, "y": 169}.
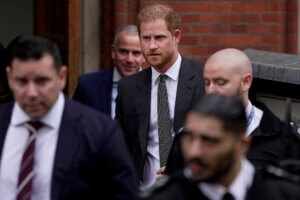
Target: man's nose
{"x": 209, "y": 89}
{"x": 32, "y": 90}
{"x": 153, "y": 44}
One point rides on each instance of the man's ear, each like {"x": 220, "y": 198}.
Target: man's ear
{"x": 245, "y": 144}
{"x": 113, "y": 51}
{"x": 63, "y": 72}
{"x": 177, "y": 35}
{"x": 247, "y": 81}
{"x": 9, "y": 78}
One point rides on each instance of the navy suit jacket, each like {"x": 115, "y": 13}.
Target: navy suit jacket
{"x": 91, "y": 159}
{"x": 94, "y": 89}
{"x": 133, "y": 105}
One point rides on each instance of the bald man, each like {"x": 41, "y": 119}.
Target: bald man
{"x": 229, "y": 72}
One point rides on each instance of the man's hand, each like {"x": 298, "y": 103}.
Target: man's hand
{"x": 160, "y": 173}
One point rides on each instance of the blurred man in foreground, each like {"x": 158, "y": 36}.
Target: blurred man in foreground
{"x": 214, "y": 144}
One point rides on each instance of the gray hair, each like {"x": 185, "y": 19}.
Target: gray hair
{"x": 130, "y": 29}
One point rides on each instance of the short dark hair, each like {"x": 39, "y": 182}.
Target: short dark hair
{"x": 35, "y": 47}
{"x": 229, "y": 110}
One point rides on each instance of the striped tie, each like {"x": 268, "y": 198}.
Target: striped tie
{"x": 26, "y": 174}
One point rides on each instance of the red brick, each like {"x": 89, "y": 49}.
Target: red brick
{"x": 292, "y": 28}
{"x": 133, "y": 6}
{"x": 234, "y": 28}
{"x": 240, "y": 18}
{"x": 208, "y": 39}
{"x": 185, "y": 50}
{"x": 259, "y": 28}
{"x": 200, "y": 7}
{"x": 208, "y": 18}
{"x": 199, "y": 50}
{"x": 185, "y": 29}
{"x": 292, "y": 6}
{"x": 273, "y": 17}
{"x": 273, "y": 39}
{"x": 240, "y": 40}
{"x": 189, "y": 40}
{"x": 121, "y": 19}
{"x": 201, "y": 29}
{"x": 292, "y": 38}
{"x": 220, "y": 28}
{"x": 293, "y": 49}
{"x": 278, "y": 28}
{"x": 219, "y": 7}
{"x": 257, "y": 7}
{"x": 240, "y": 7}
{"x": 190, "y": 18}
{"x": 292, "y": 17}
{"x": 121, "y": 6}
{"x": 181, "y": 7}
{"x": 278, "y": 6}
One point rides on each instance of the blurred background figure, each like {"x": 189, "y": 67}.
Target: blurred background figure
{"x": 99, "y": 89}
{"x": 5, "y": 93}
{"x": 214, "y": 145}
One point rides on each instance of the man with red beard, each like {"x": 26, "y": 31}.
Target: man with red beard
{"x": 152, "y": 104}
{"x": 214, "y": 144}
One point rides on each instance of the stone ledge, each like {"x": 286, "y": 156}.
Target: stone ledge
{"x": 274, "y": 66}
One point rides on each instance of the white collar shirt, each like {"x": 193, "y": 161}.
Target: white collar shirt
{"x": 238, "y": 187}
{"x": 152, "y": 163}
{"x": 255, "y": 120}
{"x": 45, "y": 147}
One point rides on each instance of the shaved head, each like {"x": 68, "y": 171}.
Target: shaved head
{"x": 228, "y": 72}
{"x": 232, "y": 58}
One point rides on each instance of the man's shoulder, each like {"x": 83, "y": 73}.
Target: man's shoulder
{"x": 176, "y": 186}
{"x": 137, "y": 77}
{"x": 192, "y": 64}
{"x": 92, "y": 76}
{"x": 85, "y": 113}
{"x": 273, "y": 181}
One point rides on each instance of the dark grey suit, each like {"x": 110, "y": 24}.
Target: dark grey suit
{"x": 133, "y": 105}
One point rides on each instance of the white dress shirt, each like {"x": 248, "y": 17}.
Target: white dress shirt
{"x": 114, "y": 92}
{"x": 45, "y": 146}
{"x": 238, "y": 187}
{"x": 255, "y": 121}
{"x": 152, "y": 163}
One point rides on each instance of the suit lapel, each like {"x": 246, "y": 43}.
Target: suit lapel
{"x": 67, "y": 147}
{"x": 185, "y": 92}
{"x": 142, "y": 103}
{"x": 106, "y": 88}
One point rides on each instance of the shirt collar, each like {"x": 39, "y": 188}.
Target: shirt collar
{"x": 116, "y": 75}
{"x": 51, "y": 118}
{"x": 172, "y": 72}
{"x": 248, "y": 108}
{"x": 238, "y": 187}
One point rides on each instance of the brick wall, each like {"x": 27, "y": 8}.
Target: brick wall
{"x": 210, "y": 25}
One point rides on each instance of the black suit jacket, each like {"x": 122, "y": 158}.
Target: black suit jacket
{"x": 91, "y": 159}
{"x": 265, "y": 186}
{"x": 133, "y": 105}
{"x": 267, "y": 146}
{"x": 94, "y": 89}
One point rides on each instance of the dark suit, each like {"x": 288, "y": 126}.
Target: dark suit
{"x": 264, "y": 187}
{"x": 91, "y": 159}
{"x": 133, "y": 105}
{"x": 94, "y": 89}
{"x": 267, "y": 144}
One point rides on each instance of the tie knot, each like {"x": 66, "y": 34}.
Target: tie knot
{"x": 228, "y": 196}
{"x": 34, "y": 125}
{"x": 163, "y": 77}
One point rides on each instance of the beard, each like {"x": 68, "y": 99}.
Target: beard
{"x": 220, "y": 169}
